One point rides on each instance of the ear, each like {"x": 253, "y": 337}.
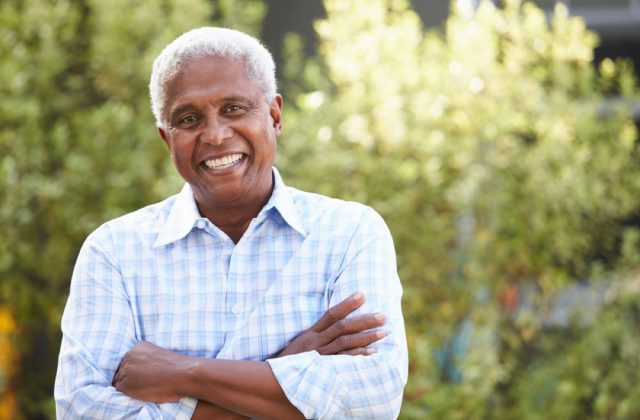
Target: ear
{"x": 275, "y": 109}
{"x": 164, "y": 136}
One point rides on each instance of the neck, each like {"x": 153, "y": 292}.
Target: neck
{"x": 233, "y": 219}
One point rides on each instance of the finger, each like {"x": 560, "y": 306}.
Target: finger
{"x": 352, "y": 341}
{"x": 352, "y": 325}
{"x": 360, "y": 351}
{"x": 338, "y": 312}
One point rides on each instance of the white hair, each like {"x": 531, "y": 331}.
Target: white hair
{"x": 208, "y": 41}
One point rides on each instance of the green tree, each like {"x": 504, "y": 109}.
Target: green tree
{"x": 79, "y": 146}
{"x": 503, "y": 159}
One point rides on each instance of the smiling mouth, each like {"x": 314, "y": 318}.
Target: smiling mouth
{"x": 224, "y": 162}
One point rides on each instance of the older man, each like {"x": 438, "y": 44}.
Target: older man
{"x": 239, "y": 296}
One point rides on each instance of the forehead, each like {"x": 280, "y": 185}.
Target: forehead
{"x": 210, "y": 78}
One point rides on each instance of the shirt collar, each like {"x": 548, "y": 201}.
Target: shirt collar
{"x": 182, "y": 217}
{"x": 184, "y": 213}
{"x": 282, "y": 201}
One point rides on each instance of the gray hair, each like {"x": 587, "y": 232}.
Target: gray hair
{"x": 208, "y": 41}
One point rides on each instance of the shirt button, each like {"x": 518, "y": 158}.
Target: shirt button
{"x": 236, "y": 309}
{"x": 200, "y": 224}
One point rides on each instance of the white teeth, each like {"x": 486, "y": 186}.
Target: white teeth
{"x": 224, "y": 162}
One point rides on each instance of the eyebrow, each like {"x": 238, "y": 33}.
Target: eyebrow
{"x": 179, "y": 110}
{"x": 250, "y": 102}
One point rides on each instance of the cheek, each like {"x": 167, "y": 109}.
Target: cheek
{"x": 268, "y": 152}
{"x": 181, "y": 149}
{"x": 268, "y": 144}
{"x": 181, "y": 157}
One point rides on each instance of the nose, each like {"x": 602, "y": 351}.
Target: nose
{"x": 216, "y": 131}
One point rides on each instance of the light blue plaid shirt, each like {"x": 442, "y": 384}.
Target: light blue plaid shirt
{"x": 166, "y": 275}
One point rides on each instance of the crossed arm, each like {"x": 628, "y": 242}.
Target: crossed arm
{"x": 233, "y": 389}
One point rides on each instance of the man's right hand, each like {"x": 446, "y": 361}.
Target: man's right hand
{"x": 333, "y": 333}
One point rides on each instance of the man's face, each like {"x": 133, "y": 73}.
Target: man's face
{"x": 221, "y": 132}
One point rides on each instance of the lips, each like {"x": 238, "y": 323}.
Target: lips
{"x": 224, "y": 161}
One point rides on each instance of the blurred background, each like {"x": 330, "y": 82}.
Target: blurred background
{"x": 499, "y": 140}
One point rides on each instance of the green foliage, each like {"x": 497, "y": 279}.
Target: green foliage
{"x": 79, "y": 145}
{"x": 501, "y": 161}
{"x": 592, "y": 375}
{"x": 500, "y": 156}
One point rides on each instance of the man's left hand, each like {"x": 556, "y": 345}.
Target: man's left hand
{"x": 334, "y": 333}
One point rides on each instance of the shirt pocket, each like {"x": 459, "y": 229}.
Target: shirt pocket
{"x": 281, "y": 316}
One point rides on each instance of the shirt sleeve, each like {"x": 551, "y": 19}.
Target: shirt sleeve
{"x": 342, "y": 386}
{"x": 98, "y": 329}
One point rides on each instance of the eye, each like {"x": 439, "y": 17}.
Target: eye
{"x": 234, "y": 109}
{"x": 188, "y": 120}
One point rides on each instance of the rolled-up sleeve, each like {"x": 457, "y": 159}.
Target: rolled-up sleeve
{"x": 342, "y": 386}
{"x": 98, "y": 329}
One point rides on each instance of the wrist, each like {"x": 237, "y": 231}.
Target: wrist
{"x": 183, "y": 378}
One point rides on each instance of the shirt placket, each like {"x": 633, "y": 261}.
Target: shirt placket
{"x": 239, "y": 296}
{"x": 243, "y": 287}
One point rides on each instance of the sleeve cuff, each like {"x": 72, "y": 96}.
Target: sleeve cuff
{"x": 182, "y": 409}
{"x": 310, "y": 386}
